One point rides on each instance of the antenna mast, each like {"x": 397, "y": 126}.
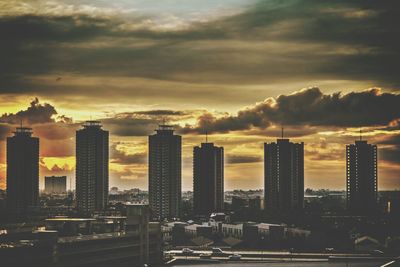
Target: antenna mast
{"x": 282, "y": 132}
{"x": 206, "y": 137}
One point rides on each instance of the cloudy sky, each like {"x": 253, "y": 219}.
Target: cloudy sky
{"x": 239, "y": 69}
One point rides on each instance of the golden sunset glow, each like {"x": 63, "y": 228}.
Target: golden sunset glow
{"x": 229, "y": 68}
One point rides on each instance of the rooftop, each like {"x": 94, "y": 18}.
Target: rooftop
{"x": 90, "y": 124}
{"x": 165, "y": 129}
{"x": 23, "y": 131}
{"x": 70, "y": 220}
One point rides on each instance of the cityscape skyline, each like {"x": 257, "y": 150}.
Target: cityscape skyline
{"x": 188, "y": 188}
{"x": 156, "y": 142}
{"x": 183, "y": 132}
{"x": 242, "y": 68}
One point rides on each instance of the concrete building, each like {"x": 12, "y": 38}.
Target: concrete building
{"x": 208, "y": 179}
{"x": 91, "y": 168}
{"x": 129, "y": 240}
{"x": 165, "y": 173}
{"x": 55, "y": 184}
{"x": 284, "y": 175}
{"x": 271, "y": 232}
{"x": 195, "y": 230}
{"x": 233, "y": 230}
{"x": 22, "y": 171}
{"x": 361, "y": 177}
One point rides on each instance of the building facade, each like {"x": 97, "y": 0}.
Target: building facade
{"x": 208, "y": 179}
{"x": 165, "y": 158}
{"x": 55, "y": 184}
{"x": 22, "y": 171}
{"x": 91, "y": 168}
{"x": 284, "y": 175}
{"x": 361, "y": 177}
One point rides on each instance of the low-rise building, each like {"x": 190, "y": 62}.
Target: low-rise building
{"x": 129, "y": 240}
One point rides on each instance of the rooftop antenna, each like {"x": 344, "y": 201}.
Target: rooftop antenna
{"x": 282, "y": 132}
{"x": 206, "y": 137}
{"x": 360, "y": 134}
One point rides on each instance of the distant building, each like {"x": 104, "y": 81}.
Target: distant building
{"x": 256, "y": 203}
{"x": 361, "y": 177}
{"x": 22, "y": 171}
{"x": 208, "y": 179}
{"x": 55, "y": 184}
{"x": 284, "y": 175}
{"x": 239, "y": 203}
{"x": 114, "y": 190}
{"x": 165, "y": 173}
{"x": 91, "y": 168}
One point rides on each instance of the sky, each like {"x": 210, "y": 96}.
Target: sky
{"x": 238, "y": 69}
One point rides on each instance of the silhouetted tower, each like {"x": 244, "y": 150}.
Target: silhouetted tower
{"x": 283, "y": 175}
{"x": 208, "y": 179}
{"x": 361, "y": 177}
{"x": 22, "y": 171}
{"x": 91, "y": 168}
{"x": 165, "y": 173}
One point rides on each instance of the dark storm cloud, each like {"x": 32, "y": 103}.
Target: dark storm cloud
{"x": 43, "y": 44}
{"x": 244, "y": 120}
{"x": 35, "y": 113}
{"x": 235, "y": 159}
{"x": 121, "y": 157}
{"x": 270, "y": 41}
{"x": 390, "y": 154}
{"x": 310, "y": 107}
{"x": 44, "y": 120}
{"x": 141, "y": 123}
{"x": 130, "y": 126}
{"x": 393, "y": 126}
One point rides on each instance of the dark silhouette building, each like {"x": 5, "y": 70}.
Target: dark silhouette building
{"x": 361, "y": 177}
{"x": 91, "y": 168}
{"x": 284, "y": 175}
{"x": 208, "y": 179}
{"x": 22, "y": 171}
{"x": 165, "y": 173}
{"x": 55, "y": 184}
